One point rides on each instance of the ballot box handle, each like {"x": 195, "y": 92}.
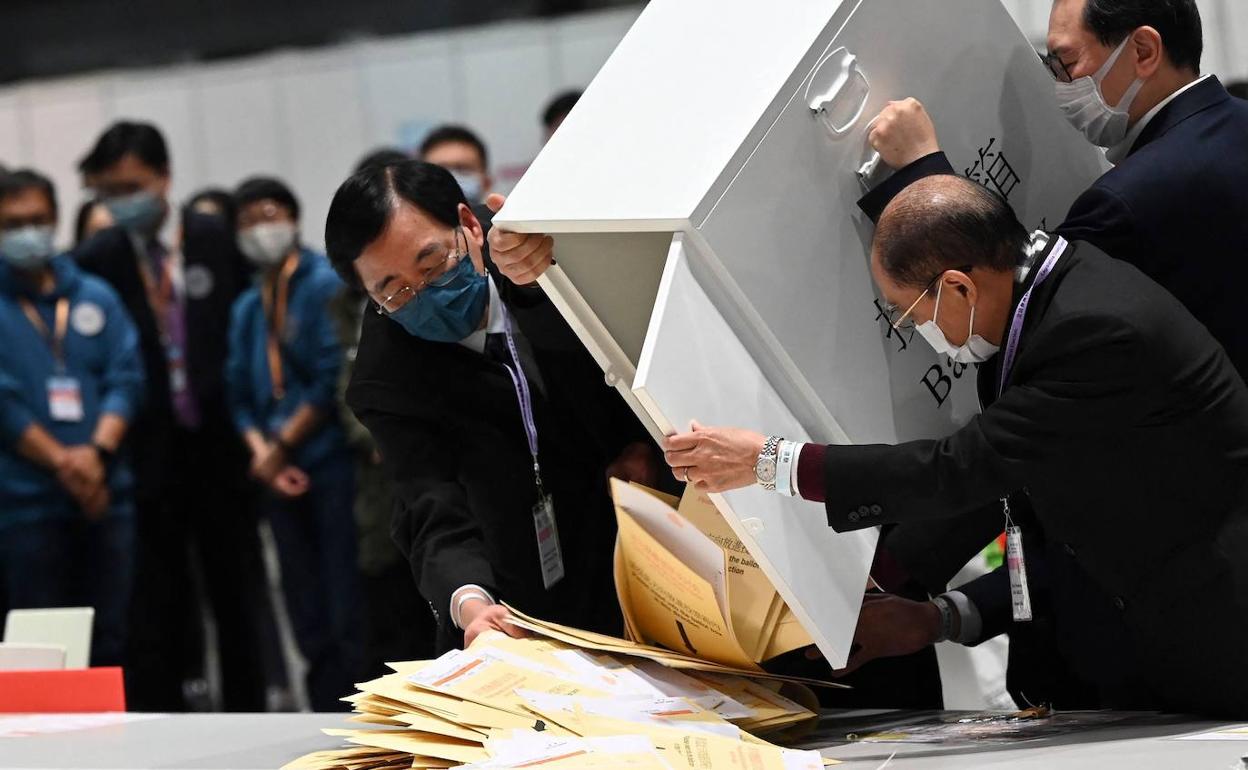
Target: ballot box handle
{"x": 838, "y": 91}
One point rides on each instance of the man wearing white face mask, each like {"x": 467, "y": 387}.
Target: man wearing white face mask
{"x": 1127, "y": 76}
{"x": 1114, "y": 408}
{"x": 282, "y": 373}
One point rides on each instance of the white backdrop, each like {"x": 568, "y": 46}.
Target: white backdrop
{"x": 307, "y": 115}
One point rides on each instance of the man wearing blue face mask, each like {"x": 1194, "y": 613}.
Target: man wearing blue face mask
{"x": 493, "y": 422}
{"x": 461, "y": 152}
{"x": 190, "y": 465}
{"x": 70, "y": 384}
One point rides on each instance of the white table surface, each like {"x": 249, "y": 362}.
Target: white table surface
{"x": 256, "y": 741}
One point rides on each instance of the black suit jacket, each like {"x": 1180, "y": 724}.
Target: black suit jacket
{"x": 449, "y": 428}
{"x": 215, "y": 275}
{"x": 1127, "y": 426}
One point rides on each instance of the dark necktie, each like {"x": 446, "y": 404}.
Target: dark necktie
{"x": 496, "y": 350}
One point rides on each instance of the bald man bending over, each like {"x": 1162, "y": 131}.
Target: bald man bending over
{"x": 1106, "y": 403}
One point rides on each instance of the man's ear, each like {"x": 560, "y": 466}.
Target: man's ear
{"x": 1149, "y": 51}
{"x": 471, "y": 225}
{"x": 961, "y": 283}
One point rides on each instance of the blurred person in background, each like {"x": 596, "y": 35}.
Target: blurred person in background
{"x": 461, "y": 152}
{"x": 191, "y": 498}
{"x": 71, "y": 381}
{"x": 399, "y": 626}
{"x": 283, "y": 371}
{"x": 557, "y": 110}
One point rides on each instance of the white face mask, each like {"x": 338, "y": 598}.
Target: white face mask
{"x": 975, "y": 350}
{"x": 1083, "y": 104}
{"x": 268, "y": 243}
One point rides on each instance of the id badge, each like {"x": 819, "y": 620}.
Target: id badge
{"x": 548, "y": 541}
{"x": 65, "y": 399}
{"x": 1020, "y": 596}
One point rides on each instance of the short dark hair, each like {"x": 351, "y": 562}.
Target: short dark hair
{"x": 945, "y": 222}
{"x": 559, "y": 107}
{"x": 142, "y": 140}
{"x": 364, "y": 204}
{"x": 222, "y": 199}
{"x": 382, "y": 156}
{"x": 1238, "y": 88}
{"x": 23, "y": 179}
{"x": 1177, "y": 21}
{"x": 447, "y": 134}
{"x": 259, "y": 188}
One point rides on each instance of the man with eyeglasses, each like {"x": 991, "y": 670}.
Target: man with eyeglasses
{"x": 1108, "y": 406}
{"x": 1127, "y": 76}
{"x": 494, "y": 423}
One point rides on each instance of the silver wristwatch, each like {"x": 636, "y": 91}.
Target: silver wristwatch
{"x": 765, "y": 467}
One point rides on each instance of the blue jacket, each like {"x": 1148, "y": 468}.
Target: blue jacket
{"x": 101, "y": 352}
{"x": 312, "y": 359}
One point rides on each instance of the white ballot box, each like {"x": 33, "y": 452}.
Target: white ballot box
{"x": 712, "y": 257}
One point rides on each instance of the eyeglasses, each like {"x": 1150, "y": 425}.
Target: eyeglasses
{"x": 439, "y": 274}
{"x": 902, "y": 323}
{"x": 1057, "y": 68}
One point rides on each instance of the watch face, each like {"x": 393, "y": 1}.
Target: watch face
{"x": 766, "y": 470}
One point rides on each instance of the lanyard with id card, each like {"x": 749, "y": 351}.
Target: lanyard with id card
{"x": 64, "y": 392}
{"x": 1015, "y": 560}
{"x": 545, "y": 526}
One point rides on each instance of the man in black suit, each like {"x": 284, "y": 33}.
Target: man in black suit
{"x": 1173, "y": 206}
{"x": 1118, "y": 415}
{"x": 493, "y": 422}
{"x": 190, "y": 466}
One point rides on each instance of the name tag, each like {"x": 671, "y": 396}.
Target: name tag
{"x": 1020, "y": 597}
{"x": 65, "y": 399}
{"x": 548, "y": 541}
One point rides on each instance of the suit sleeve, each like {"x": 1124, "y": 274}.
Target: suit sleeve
{"x": 933, "y": 551}
{"x": 874, "y": 202}
{"x": 432, "y": 524}
{"x": 1084, "y": 380}
{"x": 123, "y": 381}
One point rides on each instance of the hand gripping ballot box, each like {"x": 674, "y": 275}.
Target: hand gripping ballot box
{"x": 712, "y": 258}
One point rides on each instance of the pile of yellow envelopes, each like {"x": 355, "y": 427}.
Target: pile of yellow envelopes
{"x": 565, "y": 698}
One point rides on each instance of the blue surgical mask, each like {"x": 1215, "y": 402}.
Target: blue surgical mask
{"x": 27, "y": 248}
{"x": 447, "y": 313}
{"x": 139, "y": 212}
{"x": 472, "y": 185}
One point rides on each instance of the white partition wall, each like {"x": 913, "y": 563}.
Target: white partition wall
{"x": 712, "y": 256}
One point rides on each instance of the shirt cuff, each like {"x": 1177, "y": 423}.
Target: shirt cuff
{"x": 810, "y": 481}
{"x": 463, "y": 594}
{"x": 971, "y": 624}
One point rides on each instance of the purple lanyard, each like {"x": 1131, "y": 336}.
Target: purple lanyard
{"x": 521, "y": 384}
{"x": 1016, "y": 327}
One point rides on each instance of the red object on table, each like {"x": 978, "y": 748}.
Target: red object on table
{"x": 82, "y": 690}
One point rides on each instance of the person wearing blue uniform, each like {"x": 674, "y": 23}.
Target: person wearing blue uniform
{"x": 285, "y": 357}
{"x": 71, "y": 380}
